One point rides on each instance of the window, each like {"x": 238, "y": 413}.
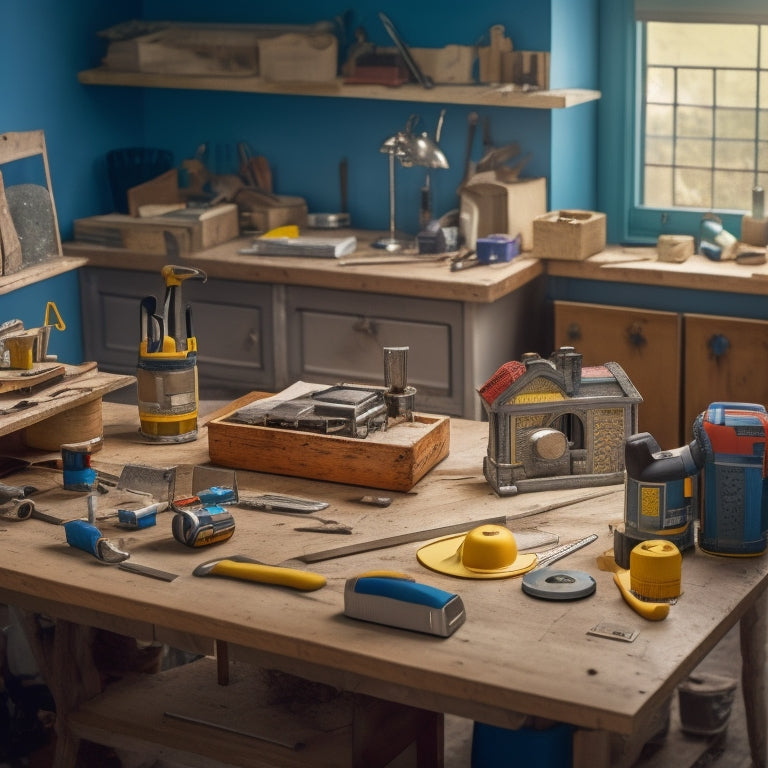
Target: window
{"x": 683, "y": 119}
{"x": 704, "y": 114}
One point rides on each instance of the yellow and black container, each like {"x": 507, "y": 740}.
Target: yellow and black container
{"x": 166, "y": 374}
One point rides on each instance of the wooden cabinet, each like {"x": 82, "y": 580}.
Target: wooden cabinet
{"x": 647, "y": 345}
{"x": 725, "y": 359}
{"x": 679, "y": 362}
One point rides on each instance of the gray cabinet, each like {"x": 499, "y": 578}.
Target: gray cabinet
{"x": 260, "y": 335}
{"x": 338, "y": 336}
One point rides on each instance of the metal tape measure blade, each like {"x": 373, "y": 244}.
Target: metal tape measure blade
{"x": 555, "y": 584}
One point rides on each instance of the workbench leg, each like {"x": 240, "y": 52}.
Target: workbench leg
{"x": 591, "y": 749}
{"x": 753, "y": 641}
{"x": 63, "y": 653}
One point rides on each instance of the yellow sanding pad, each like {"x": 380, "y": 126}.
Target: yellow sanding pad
{"x": 486, "y": 552}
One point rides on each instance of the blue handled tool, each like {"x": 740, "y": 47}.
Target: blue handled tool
{"x": 398, "y": 601}
{"x": 88, "y": 537}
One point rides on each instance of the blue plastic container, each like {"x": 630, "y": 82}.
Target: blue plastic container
{"x": 494, "y": 747}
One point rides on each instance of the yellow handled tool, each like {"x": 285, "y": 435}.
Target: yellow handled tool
{"x": 650, "y": 611}
{"x": 248, "y": 569}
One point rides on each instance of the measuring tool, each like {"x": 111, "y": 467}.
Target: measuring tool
{"x": 555, "y": 584}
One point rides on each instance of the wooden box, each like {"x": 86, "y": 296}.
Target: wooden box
{"x": 189, "y": 50}
{"x": 394, "y": 460}
{"x": 568, "y": 235}
{"x": 299, "y": 57}
{"x": 193, "y": 230}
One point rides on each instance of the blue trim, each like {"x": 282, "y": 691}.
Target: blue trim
{"x": 660, "y": 298}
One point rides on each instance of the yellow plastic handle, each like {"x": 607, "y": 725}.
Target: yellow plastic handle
{"x": 59, "y": 324}
{"x": 650, "y": 611}
{"x": 288, "y": 230}
{"x": 270, "y": 574}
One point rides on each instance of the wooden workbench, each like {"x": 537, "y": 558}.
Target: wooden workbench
{"x": 514, "y": 654}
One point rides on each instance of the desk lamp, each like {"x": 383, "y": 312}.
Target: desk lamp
{"x": 410, "y": 149}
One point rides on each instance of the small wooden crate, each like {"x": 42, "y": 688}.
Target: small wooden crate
{"x": 395, "y": 459}
{"x": 568, "y": 235}
{"x": 193, "y": 230}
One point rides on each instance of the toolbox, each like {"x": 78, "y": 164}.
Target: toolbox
{"x": 395, "y": 459}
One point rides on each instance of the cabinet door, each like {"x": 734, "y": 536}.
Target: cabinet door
{"x": 646, "y": 344}
{"x": 725, "y": 360}
{"x": 232, "y": 322}
{"x": 336, "y": 336}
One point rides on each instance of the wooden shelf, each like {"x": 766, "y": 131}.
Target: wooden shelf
{"x": 39, "y": 272}
{"x": 476, "y": 95}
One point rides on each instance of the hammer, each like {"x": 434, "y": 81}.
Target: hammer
{"x": 242, "y": 567}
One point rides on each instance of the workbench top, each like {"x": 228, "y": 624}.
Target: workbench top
{"x": 514, "y": 653}
{"x": 423, "y": 277}
{"x": 433, "y": 279}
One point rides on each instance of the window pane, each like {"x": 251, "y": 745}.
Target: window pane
{"x": 738, "y": 155}
{"x": 735, "y": 124}
{"x": 736, "y": 88}
{"x": 694, "y": 152}
{"x": 695, "y": 86}
{"x": 658, "y": 187}
{"x": 733, "y": 191}
{"x": 763, "y": 90}
{"x": 762, "y": 156}
{"x": 763, "y": 47}
{"x": 701, "y": 45}
{"x": 660, "y": 85}
{"x": 658, "y": 151}
{"x": 659, "y": 121}
{"x": 694, "y": 122}
{"x": 693, "y": 188}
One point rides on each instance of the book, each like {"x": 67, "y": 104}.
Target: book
{"x": 303, "y": 245}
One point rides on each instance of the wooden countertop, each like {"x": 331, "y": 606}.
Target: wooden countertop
{"x": 640, "y": 266}
{"x": 433, "y": 279}
{"x": 514, "y": 654}
{"x": 426, "y": 279}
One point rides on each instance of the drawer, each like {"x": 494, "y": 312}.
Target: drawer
{"x": 336, "y": 336}
{"x": 233, "y": 323}
{"x": 645, "y": 343}
{"x": 725, "y": 359}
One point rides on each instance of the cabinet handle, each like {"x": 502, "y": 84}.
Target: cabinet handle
{"x": 366, "y": 325}
{"x": 255, "y": 338}
{"x": 574, "y": 332}
{"x": 718, "y": 345}
{"x": 635, "y": 335}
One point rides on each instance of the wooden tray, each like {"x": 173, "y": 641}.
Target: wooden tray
{"x": 393, "y": 460}
{"x": 12, "y": 379}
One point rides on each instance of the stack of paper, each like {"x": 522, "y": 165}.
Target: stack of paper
{"x": 323, "y": 247}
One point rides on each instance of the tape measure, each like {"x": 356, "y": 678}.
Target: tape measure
{"x": 655, "y": 570}
{"x": 554, "y": 584}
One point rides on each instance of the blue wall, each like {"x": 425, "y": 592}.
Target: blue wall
{"x": 44, "y": 43}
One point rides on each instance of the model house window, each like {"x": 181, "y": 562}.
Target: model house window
{"x": 704, "y": 114}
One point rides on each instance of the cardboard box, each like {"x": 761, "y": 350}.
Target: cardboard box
{"x": 568, "y": 235}
{"x": 395, "y": 459}
{"x": 193, "y": 229}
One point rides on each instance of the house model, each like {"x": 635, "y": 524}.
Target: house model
{"x": 555, "y": 424}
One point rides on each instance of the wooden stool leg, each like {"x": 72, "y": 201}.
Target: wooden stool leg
{"x": 753, "y": 639}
